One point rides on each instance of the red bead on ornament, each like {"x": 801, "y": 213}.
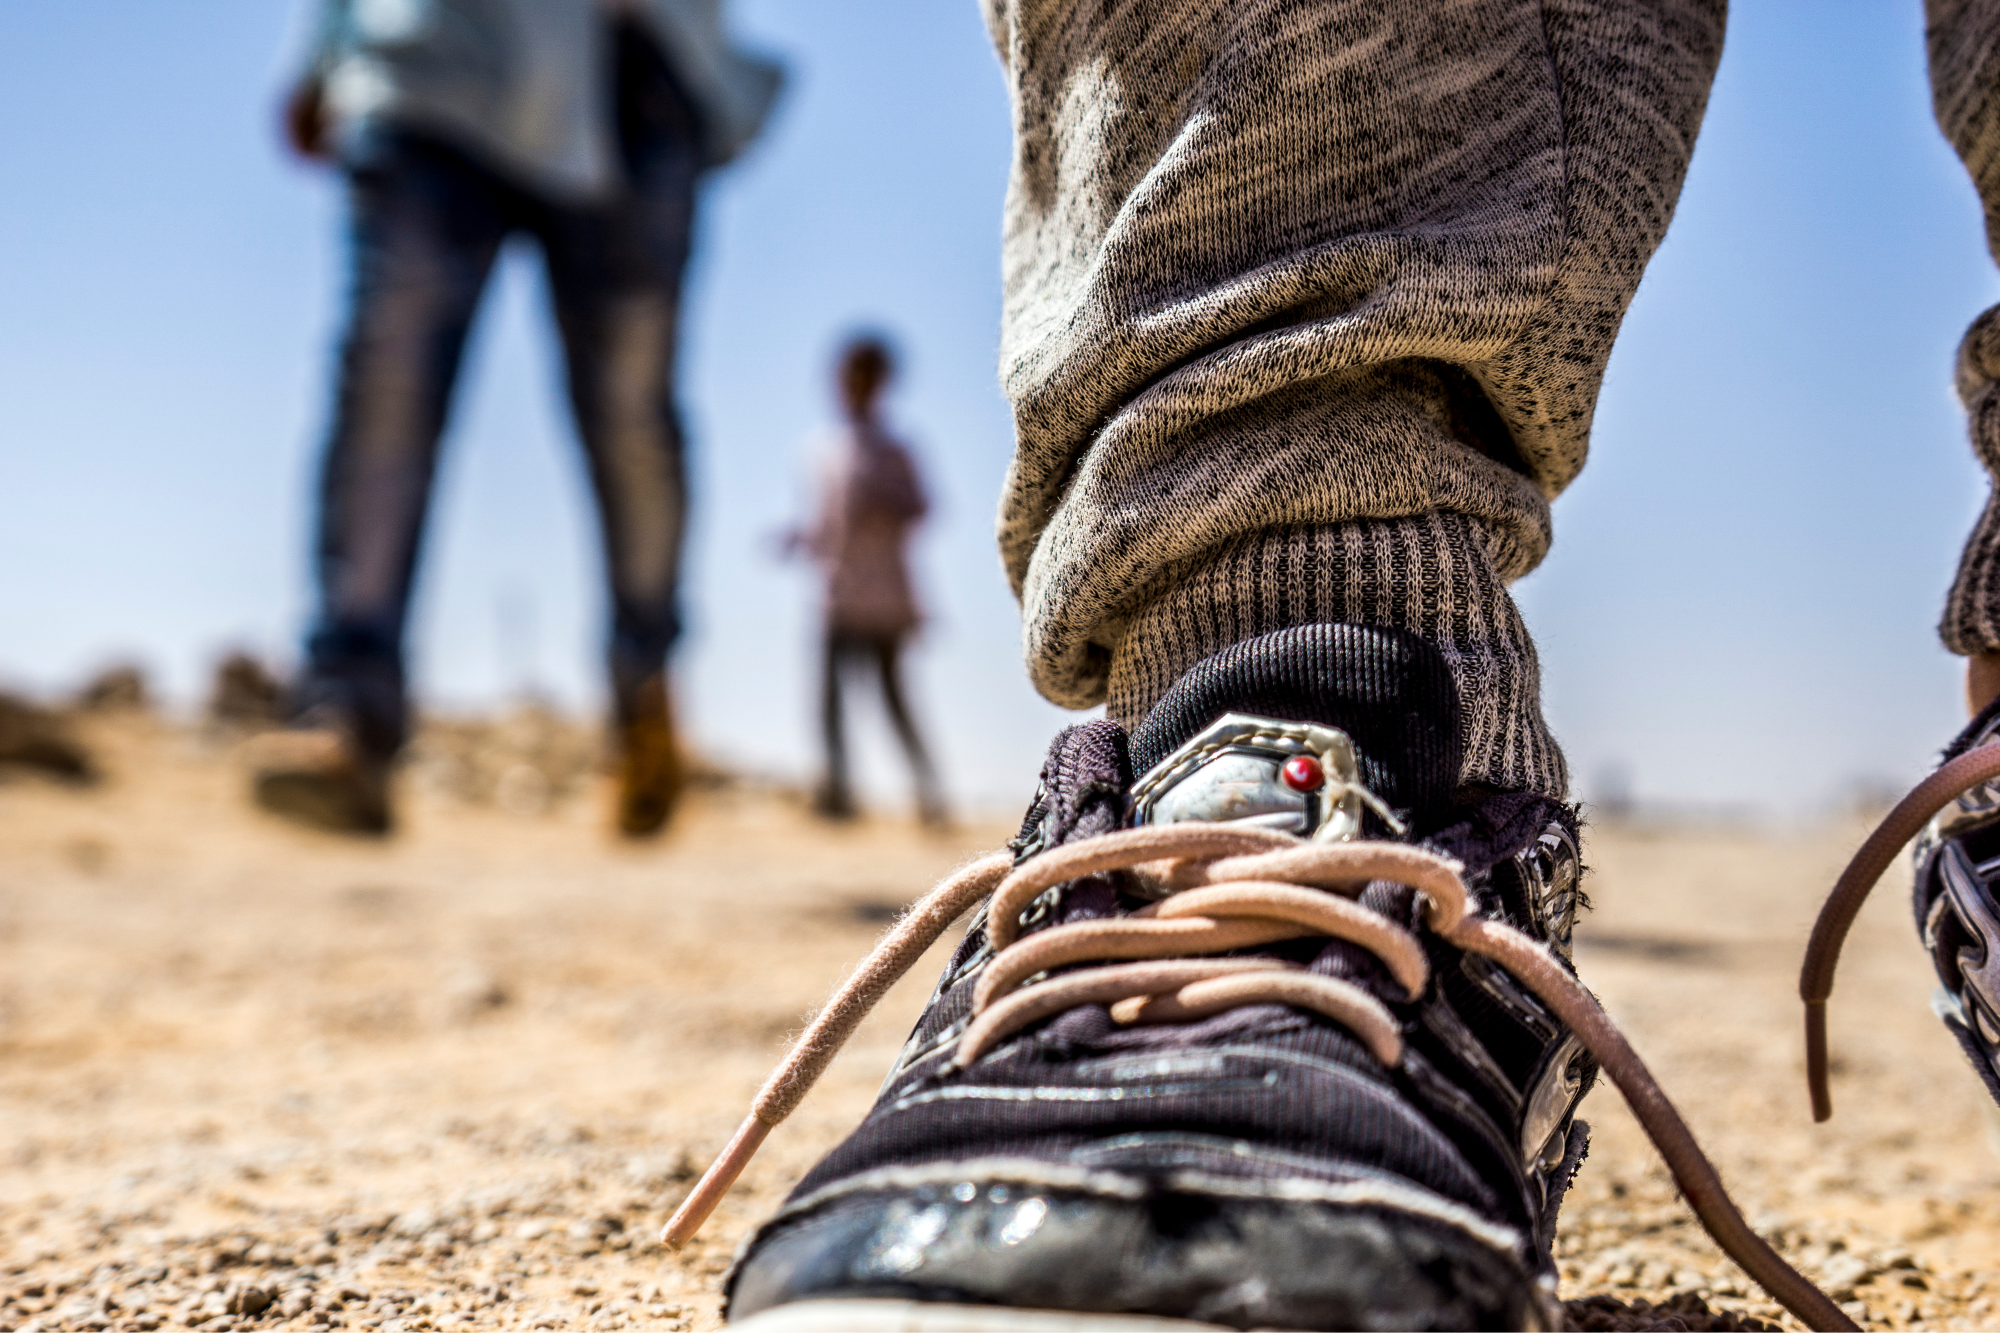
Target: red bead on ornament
{"x": 1302, "y": 773}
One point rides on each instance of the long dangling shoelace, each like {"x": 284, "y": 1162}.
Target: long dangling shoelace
{"x": 1901, "y": 824}
{"x": 1224, "y": 887}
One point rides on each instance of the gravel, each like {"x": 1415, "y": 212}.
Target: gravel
{"x": 258, "y": 1079}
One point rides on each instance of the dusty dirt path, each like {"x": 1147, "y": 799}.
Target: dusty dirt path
{"x": 250, "y": 1077}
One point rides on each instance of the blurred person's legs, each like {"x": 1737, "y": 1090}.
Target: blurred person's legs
{"x": 615, "y": 274}
{"x": 852, "y": 653}
{"x": 1307, "y": 303}
{"x": 425, "y": 227}
{"x": 428, "y": 223}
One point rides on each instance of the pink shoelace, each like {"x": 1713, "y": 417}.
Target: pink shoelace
{"x": 1222, "y": 888}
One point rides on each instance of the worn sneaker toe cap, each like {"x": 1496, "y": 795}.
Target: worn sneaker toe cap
{"x": 1236, "y": 1262}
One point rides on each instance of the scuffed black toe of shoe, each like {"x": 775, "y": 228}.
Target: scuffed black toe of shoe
{"x": 1243, "y": 1263}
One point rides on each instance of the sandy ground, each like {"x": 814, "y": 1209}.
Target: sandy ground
{"x": 253, "y": 1077}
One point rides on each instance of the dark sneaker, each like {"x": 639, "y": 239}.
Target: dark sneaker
{"x": 317, "y": 775}
{"x": 1957, "y": 902}
{"x": 1954, "y": 815}
{"x": 651, "y": 772}
{"x": 1234, "y": 1156}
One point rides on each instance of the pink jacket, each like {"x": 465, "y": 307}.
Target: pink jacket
{"x": 869, "y": 499}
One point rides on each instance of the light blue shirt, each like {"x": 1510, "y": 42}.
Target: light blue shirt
{"x": 524, "y": 84}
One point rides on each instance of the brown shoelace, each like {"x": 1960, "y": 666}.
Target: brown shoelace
{"x": 1901, "y": 824}
{"x": 1224, "y": 887}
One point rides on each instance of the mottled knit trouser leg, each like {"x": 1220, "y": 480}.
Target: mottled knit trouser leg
{"x": 1964, "y": 41}
{"x": 1307, "y": 304}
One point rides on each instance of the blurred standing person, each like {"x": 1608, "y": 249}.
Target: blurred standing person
{"x": 585, "y": 124}
{"x": 869, "y": 498}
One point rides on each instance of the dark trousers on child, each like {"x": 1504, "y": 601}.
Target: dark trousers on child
{"x": 850, "y": 653}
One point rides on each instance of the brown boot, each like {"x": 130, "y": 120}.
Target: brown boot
{"x": 318, "y": 776}
{"x": 650, "y": 771}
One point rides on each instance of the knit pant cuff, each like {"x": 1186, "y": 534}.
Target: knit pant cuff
{"x": 1432, "y": 575}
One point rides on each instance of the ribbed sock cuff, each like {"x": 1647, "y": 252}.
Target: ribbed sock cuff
{"x": 1432, "y": 575}
{"x": 1971, "y": 622}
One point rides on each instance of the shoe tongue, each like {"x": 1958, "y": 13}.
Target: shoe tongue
{"x": 1389, "y": 691}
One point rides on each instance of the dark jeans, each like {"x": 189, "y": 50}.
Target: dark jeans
{"x": 427, "y": 224}
{"x": 847, "y": 652}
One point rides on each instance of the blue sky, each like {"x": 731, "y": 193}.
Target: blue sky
{"x": 1740, "y": 604}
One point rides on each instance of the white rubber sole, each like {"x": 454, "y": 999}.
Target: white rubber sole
{"x": 931, "y": 1317}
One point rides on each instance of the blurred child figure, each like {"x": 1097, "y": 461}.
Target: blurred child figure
{"x": 868, "y": 500}
{"x": 585, "y": 125}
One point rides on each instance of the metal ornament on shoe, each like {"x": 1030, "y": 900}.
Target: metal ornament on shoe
{"x": 1236, "y": 772}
